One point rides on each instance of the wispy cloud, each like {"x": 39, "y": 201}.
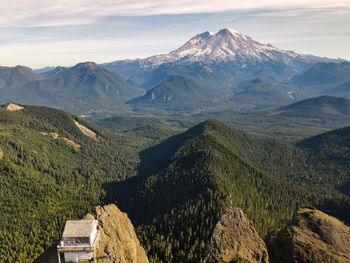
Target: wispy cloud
{"x": 42, "y": 13}
{"x": 65, "y": 32}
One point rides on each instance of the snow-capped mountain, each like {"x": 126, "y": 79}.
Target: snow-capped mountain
{"x": 227, "y": 45}
{"x": 221, "y": 60}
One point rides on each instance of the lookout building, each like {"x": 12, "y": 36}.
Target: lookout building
{"x": 79, "y": 241}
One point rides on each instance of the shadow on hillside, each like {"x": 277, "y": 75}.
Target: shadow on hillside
{"x": 152, "y": 160}
{"x": 49, "y": 256}
{"x": 345, "y": 189}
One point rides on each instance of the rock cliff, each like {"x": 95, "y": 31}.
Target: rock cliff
{"x": 313, "y": 237}
{"x": 235, "y": 240}
{"x": 118, "y": 238}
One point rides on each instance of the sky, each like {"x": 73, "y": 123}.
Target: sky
{"x": 39, "y": 33}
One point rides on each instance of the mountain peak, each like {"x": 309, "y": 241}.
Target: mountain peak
{"x": 229, "y": 46}
{"x": 22, "y": 68}
{"x": 227, "y": 31}
{"x": 204, "y": 35}
{"x": 226, "y": 45}
{"x": 89, "y": 65}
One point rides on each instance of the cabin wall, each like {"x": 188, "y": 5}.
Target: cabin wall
{"x": 93, "y": 235}
{"x": 71, "y": 256}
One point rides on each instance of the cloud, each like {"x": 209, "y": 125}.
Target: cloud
{"x": 43, "y": 13}
{"x": 107, "y": 30}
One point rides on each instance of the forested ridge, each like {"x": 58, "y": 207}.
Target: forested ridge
{"x": 178, "y": 202}
{"x": 44, "y": 180}
{"x": 174, "y": 190}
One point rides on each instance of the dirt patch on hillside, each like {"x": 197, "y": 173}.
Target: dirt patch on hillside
{"x": 55, "y": 136}
{"x": 86, "y": 131}
{"x": 14, "y": 107}
{"x": 75, "y": 145}
{"x": 1, "y": 154}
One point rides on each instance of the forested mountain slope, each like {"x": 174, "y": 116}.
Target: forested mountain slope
{"x": 298, "y": 120}
{"x": 50, "y": 171}
{"x": 194, "y": 175}
{"x": 260, "y": 92}
{"x": 56, "y": 166}
{"x": 330, "y": 153}
{"x": 177, "y": 93}
{"x": 325, "y": 75}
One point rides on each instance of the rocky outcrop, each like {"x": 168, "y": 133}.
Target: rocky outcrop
{"x": 314, "y": 237}
{"x": 235, "y": 240}
{"x": 14, "y": 107}
{"x": 119, "y": 242}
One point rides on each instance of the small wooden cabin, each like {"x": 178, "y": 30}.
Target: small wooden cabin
{"x": 79, "y": 241}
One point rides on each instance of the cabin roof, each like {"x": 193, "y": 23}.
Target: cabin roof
{"x": 79, "y": 228}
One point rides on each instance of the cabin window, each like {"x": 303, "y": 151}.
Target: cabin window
{"x": 82, "y": 240}
{"x": 76, "y": 241}
{"x": 69, "y": 241}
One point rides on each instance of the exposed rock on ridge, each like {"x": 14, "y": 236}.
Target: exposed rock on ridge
{"x": 313, "y": 237}
{"x": 118, "y": 237}
{"x": 235, "y": 240}
{"x": 13, "y": 107}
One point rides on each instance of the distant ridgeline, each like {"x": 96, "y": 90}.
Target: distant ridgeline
{"x": 209, "y": 74}
{"x": 298, "y": 120}
{"x": 56, "y": 166}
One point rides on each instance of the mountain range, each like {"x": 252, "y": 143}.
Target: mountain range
{"x": 220, "y": 61}
{"x": 82, "y": 88}
{"x": 218, "y": 71}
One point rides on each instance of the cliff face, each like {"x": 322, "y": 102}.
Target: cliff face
{"x": 118, "y": 238}
{"x": 235, "y": 240}
{"x": 313, "y": 237}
